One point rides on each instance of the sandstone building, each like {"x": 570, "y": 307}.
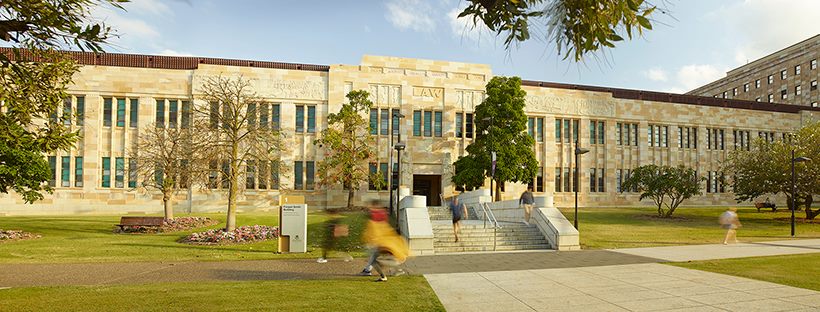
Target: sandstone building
{"x": 117, "y": 95}
{"x": 787, "y": 76}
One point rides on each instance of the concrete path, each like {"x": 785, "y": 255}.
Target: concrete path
{"x": 720, "y": 251}
{"x": 632, "y": 287}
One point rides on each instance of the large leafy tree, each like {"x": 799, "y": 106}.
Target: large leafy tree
{"x": 501, "y": 128}
{"x": 576, "y": 27}
{"x": 766, "y": 168}
{"x": 667, "y": 186}
{"x": 229, "y": 105}
{"x": 34, "y": 78}
{"x": 348, "y": 147}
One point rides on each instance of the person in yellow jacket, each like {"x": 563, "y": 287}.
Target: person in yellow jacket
{"x": 389, "y": 250}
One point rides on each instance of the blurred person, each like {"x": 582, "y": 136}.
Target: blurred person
{"x": 526, "y": 201}
{"x": 459, "y": 212}
{"x": 388, "y": 249}
{"x": 334, "y": 230}
{"x": 730, "y": 221}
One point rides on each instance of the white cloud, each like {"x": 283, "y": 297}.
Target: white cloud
{"x": 464, "y": 27}
{"x": 147, "y": 7}
{"x": 655, "y": 74}
{"x": 124, "y": 25}
{"x": 411, "y": 15}
{"x": 169, "y": 52}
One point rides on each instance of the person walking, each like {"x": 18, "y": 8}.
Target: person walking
{"x": 389, "y": 250}
{"x": 334, "y": 231}
{"x": 526, "y": 201}
{"x": 730, "y": 221}
{"x": 459, "y": 211}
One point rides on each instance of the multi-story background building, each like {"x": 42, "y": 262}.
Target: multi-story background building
{"x": 117, "y": 95}
{"x": 787, "y": 76}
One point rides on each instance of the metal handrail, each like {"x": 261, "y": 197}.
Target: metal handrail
{"x": 488, "y": 214}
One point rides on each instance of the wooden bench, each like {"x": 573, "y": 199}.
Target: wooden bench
{"x": 140, "y": 221}
{"x": 765, "y": 205}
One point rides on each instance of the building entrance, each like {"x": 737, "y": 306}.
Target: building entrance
{"x": 428, "y": 185}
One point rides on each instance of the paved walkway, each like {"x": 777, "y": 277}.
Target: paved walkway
{"x": 720, "y": 251}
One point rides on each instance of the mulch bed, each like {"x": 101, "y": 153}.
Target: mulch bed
{"x": 243, "y": 234}
{"x": 12, "y": 235}
{"x": 175, "y": 225}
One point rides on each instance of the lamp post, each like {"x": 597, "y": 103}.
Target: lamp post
{"x": 794, "y": 185}
{"x": 399, "y": 147}
{"x": 492, "y": 156}
{"x": 575, "y": 185}
{"x": 397, "y": 130}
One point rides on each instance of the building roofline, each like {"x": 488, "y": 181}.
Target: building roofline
{"x": 167, "y": 62}
{"x": 631, "y": 94}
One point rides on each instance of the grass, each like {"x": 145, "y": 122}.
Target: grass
{"x": 90, "y": 239}
{"x": 638, "y": 227}
{"x": 406, "y": 293}
{"x": 793, "y": 270}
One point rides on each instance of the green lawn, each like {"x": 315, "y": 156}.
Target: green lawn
{"x": 793, "y": 270}
{"x": 90, "y": 239}
{"x": 638, "y": 227}
{"x": 406, "y": 293}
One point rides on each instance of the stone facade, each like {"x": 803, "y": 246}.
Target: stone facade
{"x": 787, "y": 76}
{"x": 443, "y": 92}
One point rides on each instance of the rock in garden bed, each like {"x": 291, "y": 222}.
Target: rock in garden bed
{"x": 173, "y": 225}
{"x": 243, "y": 234}
{"x": 9, "y": 235}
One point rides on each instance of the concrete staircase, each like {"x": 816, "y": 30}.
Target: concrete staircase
{"x": 475, "y": 237}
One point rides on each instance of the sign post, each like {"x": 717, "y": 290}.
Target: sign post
{"x": 293, "y": 225}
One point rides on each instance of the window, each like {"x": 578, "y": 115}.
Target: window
{"x": 107, "y": 112}
{"x": 797, "y": 70}
{"x": 186, "y": 114}
{"x": 771, "y": 98}
{"x": 757, "y": 83}
{"x": 539, "y": 180}
{"x": 298, "y": 176}
{"x": 80, "y": 110}
{"x": 173, "y": 107}
{"x": 311, "y": 120}
{"x": 741, "y": 139}
{"x": 771, "y": 79}
{"x": 596, "y": 132}
{"x": 734, "y": 92}
{"x": 618, "y": 180}
{"x": 813, "y": 64}
{"x": 309, "y": 175}
{"x": 133, "y": 118}
{"x": 459, "y": 125}
{"x": 627, "y": 134}
{"x": 596, "y": 180}
{"x": 428, "y": 123}
{"x": 67, "y": 112}
{"x": 621, "y": 175}
{"x": 300, "y": 118}
{"x": 250, "y": 174}
{"x": 373, "y": 170}
{"x": 570, "y": 130}
{"x": 783, "y": 74}
{"x": 814, "y": 104}
{"x": 567, "y": 180}
{"x": 767, "y": 136}
{"x": 746, "y": 87}
{"x": 437, "y": 125}
{"x": 558, "y": 179}
{"x": 132, "y": 172}
{"x": 797, "y": 90}
{"x": 52, "y": 163}
{"x": 274, "y": 175}
{"x": 214, "y": 116}
{"x": 813, "y": 85}
{"x": 106, "y": 172}
{"x": 120, "y": 172}
{"x": 558, "y": 131}
{"x": 274, "y": 117}
{"x": 78, "y": 171}
{"x": 714, "y": 182}
{"x": 658, "y": 136}
{"x": 384, "y": 128}
{"x": 395, "y": 118}
{"x": 374, "y": 121}
{"x": 531, "y": 127}
{"x": 784, "y": 94}
{"x": 688, "y": 137}
{"x": 468, "y": 125}
{"x": 213, "y": 173}
{"x": 757, "y": 99}
{"x": 160, "y": 116}
{"x": 724, "y": 94}
{"x": 65, "y": 172}
{"x": 263, "y": 175}
{"x": 251, "y": 115}
{"x": 262, "y": 110}
{"x": 417, "y": 123}
{"x": 539, "y": 132}
{"x": 378, "y": 168}
{"x": 714, "y": 138}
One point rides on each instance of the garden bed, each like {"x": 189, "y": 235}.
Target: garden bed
{"x": 243, "y": 234}
{"x": 10, "y": 235}
{"x": 173, "y": 225}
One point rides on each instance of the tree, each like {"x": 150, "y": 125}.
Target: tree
{"x": 34, "y": 79}
{"x": 577, "y": 27}
{"x": 170, "y": 159}
{"x": 236, "y": 138}
{"x": 500, "y": 128}
{"x": 348, "y": 146}
{"x": 660, "y": 183}
{"x": 766, "y": 168}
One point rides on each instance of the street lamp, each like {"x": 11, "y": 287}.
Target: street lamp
{"x": 794, "y": 185}
{"x": 575, "y": 185}
{"x": 397, "y": 130}
{"x": 492, "y": 155}
{"x": 399, "y": 147}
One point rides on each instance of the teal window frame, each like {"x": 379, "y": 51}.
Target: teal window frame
{"x": 106, "y": 172}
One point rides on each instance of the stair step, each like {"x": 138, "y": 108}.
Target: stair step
{"x": 469, "y": 242}
{"x": 490, "y": 248}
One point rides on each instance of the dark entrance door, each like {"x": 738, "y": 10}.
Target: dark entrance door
{"x": 428, "y": 185}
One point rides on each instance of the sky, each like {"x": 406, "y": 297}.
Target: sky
{"x": 695, "y": 43}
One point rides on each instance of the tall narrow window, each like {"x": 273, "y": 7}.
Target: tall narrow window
{"x": 172, "y": 113}
{"x": 106, "y": 172}
{"x": 593, "y": 132}
{"x": 468, "y": 125}
{"x": 567, "y": 180}
{"x": 428, "y": 123}
{"x": 539, "y": 180}
{"x": 635, "y": 134}
{"x": 437, "y": 124}
{"x": 52, "y": 164}
{"x": 251, "y": 115}
{"x": 107, "y": 112}
{"x": 132, "y": 172}
{"x": 593, "y": 180}
{"x": 649, "y": 136}
{"x": 384, "y": 172}
{"x": 309, "y": 175}
{"x": 274, "y": 117}
{"x": 459, "y": 125}
{"x": 300, "y": 118}
{"x": 373, "y": 170}
{"x": 65, "y": 172}
{"x": 263, "y": 115}
{"x": 78, "y": 171}
{"x": 417, "y": 123}
{"x": 374, "y": 121}
{"x": 213, "y": 174}
{"x": 601, "y": 179}
{"x": 575, "y": 126}
{"x": 558, "y": 183}
{"x": 250, "y": 174}
{"x": 531, "y": 127}
{"x": 120, "y": 172}
{"x": 311, "y": 121}
{"x": 298, "y": 176}
{"x": 274, "y": 175}
{"x": 601, "y": 136}
{"x": 80, "y": 110}
{"x": 567, "y": 131}
{"x": 384, "y": 124}
{"x": 618, "y": 180}
{"x": 558, "y": 131}
{"x": 67, "y": 112}
{"x": 120, "y": 112}
{"x": 160, "y": 116}
{"x": 133, "y": 119}
{"x": 226, "y": 171}
{"x": 214, "y": 117}
{"x": 539, "y": 131}
{"x": 263, "y": 175}
{"x": 395, "y": 117}
{"x": 186, "y": 114}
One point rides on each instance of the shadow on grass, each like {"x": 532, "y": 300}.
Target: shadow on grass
{"x": 253, "y": 275}
{"x": 204, "y": 247}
